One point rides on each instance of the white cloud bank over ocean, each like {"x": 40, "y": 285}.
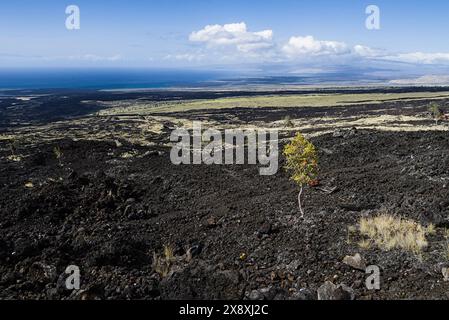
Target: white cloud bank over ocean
{"x": 436, "y": 80}
{"x": 235, "y": 42}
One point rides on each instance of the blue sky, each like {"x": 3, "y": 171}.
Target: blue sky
{"x": 310, "y": 35}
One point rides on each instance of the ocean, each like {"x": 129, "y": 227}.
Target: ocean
{"x": 110, "y": 79}
{"x": 105, "y": 78}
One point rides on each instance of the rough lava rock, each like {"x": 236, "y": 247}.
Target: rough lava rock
{"x": 330, "y": 291}
{"x": 356, "y": 262}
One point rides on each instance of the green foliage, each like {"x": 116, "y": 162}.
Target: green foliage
{"x": 163, "y": 264}
{"x": 58, "y": 153}
{"x": 435, "y": 111}
{"x": 302, "y": 160}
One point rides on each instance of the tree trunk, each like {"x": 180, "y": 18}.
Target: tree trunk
{"x": 299, "y": 203}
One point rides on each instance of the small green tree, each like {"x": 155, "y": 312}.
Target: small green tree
{"x": 302, "y": 162}
{"x": 435, "y": 111}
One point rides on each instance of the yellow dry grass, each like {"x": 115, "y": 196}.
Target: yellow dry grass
{"x": 390, "y": 232}
{"x": 265, "y": 101}
{"x": 162, "y": 264}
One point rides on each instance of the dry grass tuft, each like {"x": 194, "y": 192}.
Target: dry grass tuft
{"x": 364, "y": 244}
{"x": 162, "y": 264}
{"x": 431, "y": 229}
{"x": 288, "y": 123}
{"x": 389, "y": 232}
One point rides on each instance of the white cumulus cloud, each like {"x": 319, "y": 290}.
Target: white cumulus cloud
{"x": 309, "y": 46}
{"x": 420, "y": 58}
{"x": 367, "y": 52}
{"x": 235, "y": 35}
{"x": 234, "y": 42}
